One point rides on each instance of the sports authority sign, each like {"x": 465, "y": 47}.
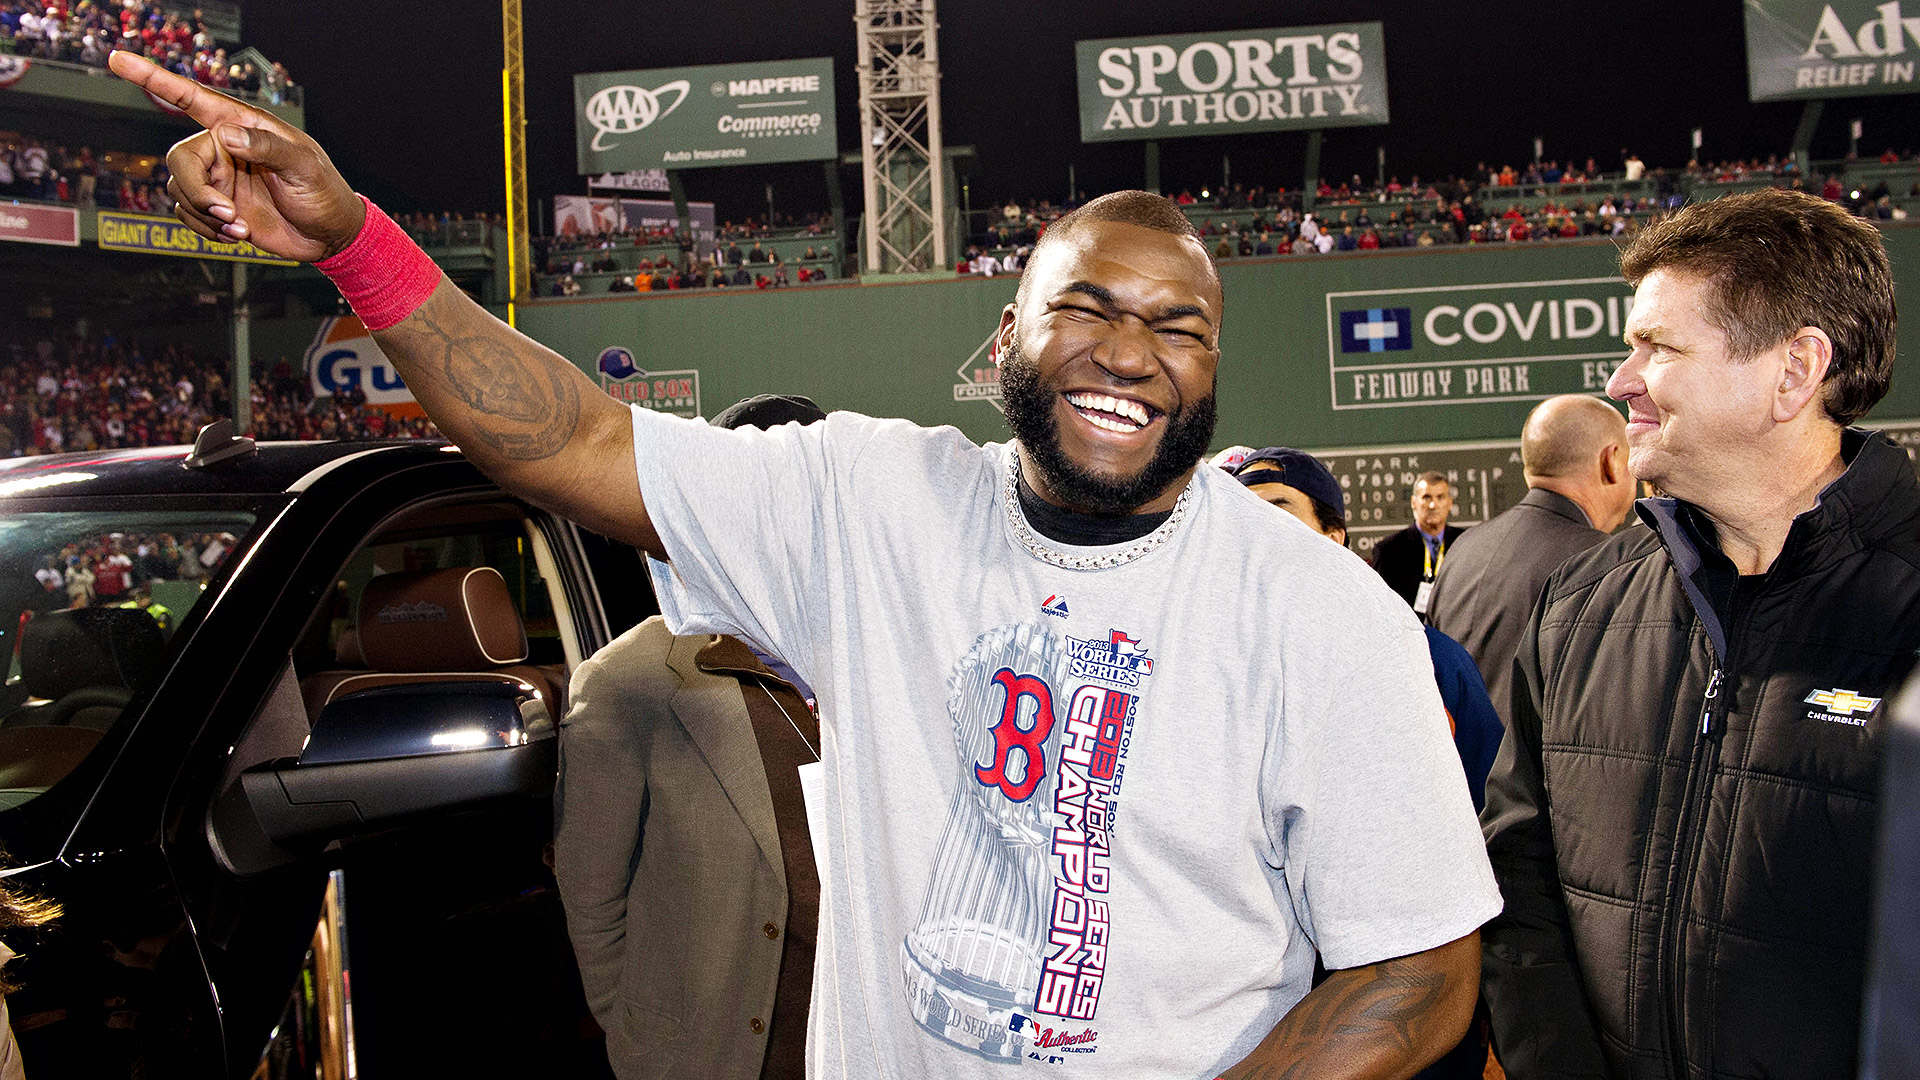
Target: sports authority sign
{"x": 1811, "y": 49}
{"x": 40, "y": 224}
{"x": 716, "y": 114}
{"x": 1459, "y": 344}
{"x": 1166, "y": 86}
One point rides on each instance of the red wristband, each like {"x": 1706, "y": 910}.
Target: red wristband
{"x": 383, "y": 274}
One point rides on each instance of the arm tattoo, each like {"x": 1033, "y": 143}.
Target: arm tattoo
{"x": 1381, "y": 1010}
{"x": 538, "y": 404}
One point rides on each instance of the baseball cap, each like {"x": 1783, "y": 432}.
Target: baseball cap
{"x": 1298, "y": 470}
{"x": 770, "y": 410}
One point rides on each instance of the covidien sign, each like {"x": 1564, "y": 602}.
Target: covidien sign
{"x": 1462, "y": 344}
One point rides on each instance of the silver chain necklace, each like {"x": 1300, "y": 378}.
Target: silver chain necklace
{"x": 1105, "y": 560}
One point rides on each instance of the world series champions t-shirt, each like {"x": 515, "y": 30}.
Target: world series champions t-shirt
{"x": 1078, "y": 822}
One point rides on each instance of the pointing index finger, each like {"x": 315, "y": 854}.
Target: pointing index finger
{"x": 206, "y": 107}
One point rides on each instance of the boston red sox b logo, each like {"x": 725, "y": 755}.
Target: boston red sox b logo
{"x": 1009, "y": 736}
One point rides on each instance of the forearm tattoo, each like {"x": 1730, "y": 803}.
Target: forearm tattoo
{"x": 523, "y": 410}
{"x": 1379, "y": 1012}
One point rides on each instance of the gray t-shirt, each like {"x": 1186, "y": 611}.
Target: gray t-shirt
{"x": 1090, "y": 821}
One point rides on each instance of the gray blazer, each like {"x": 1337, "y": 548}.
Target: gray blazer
{"x": 668, "y": 860}
{"x": 1485, "y": 590}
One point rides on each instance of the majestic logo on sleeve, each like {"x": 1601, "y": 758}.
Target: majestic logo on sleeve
{"x": 1009, "y": 955}
{"x": 1840, "y": 706}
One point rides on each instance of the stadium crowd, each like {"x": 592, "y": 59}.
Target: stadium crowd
{"x": 86, "y": 32}
{"x": 747, "y": 254}
{"x": 120, "y": 569}
{"x": 93, "y": 391}
{"x": 37, "y": 167}
{"x": 1543, "y": 201}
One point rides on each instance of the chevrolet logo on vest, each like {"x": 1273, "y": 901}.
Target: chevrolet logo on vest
{"x": 1840, "y": 706}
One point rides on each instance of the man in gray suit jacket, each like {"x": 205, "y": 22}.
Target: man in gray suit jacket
{"x": 681, "y": 845}
{"x": 1574, "y": 453}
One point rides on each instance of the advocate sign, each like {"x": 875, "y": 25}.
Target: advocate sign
{"x": 1809, "y": 49}
{"x": 1169, "y": 85}
{"x": 714, "y": 114}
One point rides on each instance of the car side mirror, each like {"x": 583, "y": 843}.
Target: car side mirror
{"x": 388, "y": 757}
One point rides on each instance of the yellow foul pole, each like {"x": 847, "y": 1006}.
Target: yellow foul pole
{"x": 513, "y": 119}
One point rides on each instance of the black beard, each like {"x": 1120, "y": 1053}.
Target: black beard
{"x": 1029, "y": 409}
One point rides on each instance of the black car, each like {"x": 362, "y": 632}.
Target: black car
{"x": 277, "y": 733}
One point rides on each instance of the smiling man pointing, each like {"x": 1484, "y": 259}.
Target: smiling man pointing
{"x": 1068, "y": 824}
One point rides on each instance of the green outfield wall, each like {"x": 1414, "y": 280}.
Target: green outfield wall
{"x": 1365, "y": 350}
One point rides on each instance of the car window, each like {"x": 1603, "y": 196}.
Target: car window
{"x": 493, "y": 535}
{"x": 89, "y": 602}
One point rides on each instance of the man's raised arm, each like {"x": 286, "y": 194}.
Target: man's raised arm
{"x": 520, "y": 411}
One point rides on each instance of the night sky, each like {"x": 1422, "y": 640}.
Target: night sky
{"x": 406, "y": 98}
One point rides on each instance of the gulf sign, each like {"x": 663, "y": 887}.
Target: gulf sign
{"x": 344, "y": 357}
{"x": 1465, "y": 344}
{"x": 1279, "y": 79}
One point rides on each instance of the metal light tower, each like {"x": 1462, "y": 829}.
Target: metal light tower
{"x": 901, "y": 153}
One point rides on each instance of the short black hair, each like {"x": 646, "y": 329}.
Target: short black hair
{"x": 1142, "y": 208}
{"x": 1329, "y": 518}
{"x": 770, "y": 410}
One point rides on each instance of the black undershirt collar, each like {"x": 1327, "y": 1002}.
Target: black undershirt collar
{"x": 1064, "y": 526}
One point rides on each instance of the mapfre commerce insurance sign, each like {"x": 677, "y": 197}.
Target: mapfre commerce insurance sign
{"x": 715, "y": 114}
{"x": 1166, "y": 86}
{"x": 1809, "y": 49}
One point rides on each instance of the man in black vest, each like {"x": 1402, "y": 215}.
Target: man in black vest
{"x": 1707, "y": 693}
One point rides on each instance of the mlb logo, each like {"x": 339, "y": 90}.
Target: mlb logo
{"x": 1376, "y": 330}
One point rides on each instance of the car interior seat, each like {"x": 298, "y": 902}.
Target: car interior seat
{"x": 420, "y": 626}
